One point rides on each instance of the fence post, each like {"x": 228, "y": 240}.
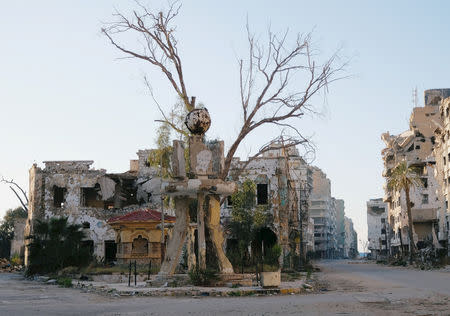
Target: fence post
{"x": 129, "y": 274}
{"x": 149, "y": 269}
{"x": 135, "y": 273}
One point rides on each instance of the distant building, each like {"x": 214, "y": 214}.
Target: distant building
{"x": 351, "y": 240}
{"x": 377, "y": 231}
{"x": 323, "y": 212}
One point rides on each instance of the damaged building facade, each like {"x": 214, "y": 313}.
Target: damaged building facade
{"x": 90, "y": 197}
{"x": 377, "y": 233}
{"x": 442, "y": 170}
{"x": 283, "y": 183}
{"x": 416, "y": 146}
{"x": 296, "y": 192}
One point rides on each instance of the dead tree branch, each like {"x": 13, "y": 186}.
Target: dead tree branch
{"x": 14, "y": 186}
{"x": 156, "y": 32}
{"x": 277, "y": 83}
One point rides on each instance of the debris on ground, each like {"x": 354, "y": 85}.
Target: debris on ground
{"x": 6, "y": 266}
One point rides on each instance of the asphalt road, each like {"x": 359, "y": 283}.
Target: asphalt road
{"x": 348, "y": 289}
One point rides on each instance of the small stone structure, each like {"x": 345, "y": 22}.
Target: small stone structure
{"x": 138, "y": 236}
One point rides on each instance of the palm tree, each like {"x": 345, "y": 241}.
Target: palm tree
{"x": 56, "y": 244}
{"x": 404, "y": 177}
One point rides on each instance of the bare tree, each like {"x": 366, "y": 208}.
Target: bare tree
{"x": 22, "y": 197}
{"x": 278, "y": 80}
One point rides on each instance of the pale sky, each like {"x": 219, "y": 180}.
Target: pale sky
{"x": 65, "y": 95}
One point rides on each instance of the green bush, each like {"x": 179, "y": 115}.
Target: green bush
{"x": 64, "y": 282}
{"x": 204, "y": 277}
{"x": 272, "y": 255}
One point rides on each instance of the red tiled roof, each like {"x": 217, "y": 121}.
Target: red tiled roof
{"x": 141, "y": 215}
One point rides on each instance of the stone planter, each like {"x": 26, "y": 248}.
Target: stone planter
{"x": 271, "y": 279}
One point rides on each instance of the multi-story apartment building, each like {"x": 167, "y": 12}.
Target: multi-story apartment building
{"x": 340, "y": 227}
{"x": 415, "y": 146}
{"x": 351, "y": 239}
{"x": 323, "y": 211}
{"x": 442, "y": 171}
{"x": 378, "y": 231}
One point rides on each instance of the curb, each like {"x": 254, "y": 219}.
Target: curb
{"x": 174, "y": 292}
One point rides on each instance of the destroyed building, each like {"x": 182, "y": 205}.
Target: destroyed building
{"x": 415, "y": 146}
{"x": 442, "y": 170}
{"x": 90, "y": 197}
{"x": 377, "y": 233}
{"x": 283, "y": 182}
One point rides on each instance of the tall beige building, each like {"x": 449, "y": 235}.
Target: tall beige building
{"x": 442, "y": 170}
{"x": 415, "y": 146}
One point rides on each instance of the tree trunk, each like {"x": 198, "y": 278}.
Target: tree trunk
{"x": 412, "y": 246}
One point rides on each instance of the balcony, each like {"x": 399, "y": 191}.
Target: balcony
{"x": 424, "y": 215}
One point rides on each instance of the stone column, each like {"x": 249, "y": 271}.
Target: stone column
{"x": 190, "y": 248}
{"x": 215, "y": 229}
{"x": 201, "y": 231}
{"x": 175, "y": 244}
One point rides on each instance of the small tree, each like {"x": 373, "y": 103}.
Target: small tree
{"x": 55, "y": 244}
{"x": 246, "y": 219}
{"x": 7, "y": 229}
{"x": 404, "y": 177}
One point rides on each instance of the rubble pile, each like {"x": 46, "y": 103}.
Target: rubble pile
{"x": 6, "y": 266}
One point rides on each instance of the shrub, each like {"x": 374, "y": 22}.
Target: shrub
{"x": 15, "y": 260}
{"x": 272, "y": 255}
{"x": 205, "y": 277}
{"x": 64, "y": 282}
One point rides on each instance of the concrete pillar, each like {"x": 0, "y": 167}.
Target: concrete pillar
{"x": 213, "y": 223}
{"x": 201, "y": 231}
{"x": 190, "y": 248}
{"x": 175, "y": 244}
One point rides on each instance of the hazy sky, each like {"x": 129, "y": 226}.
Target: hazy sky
{"x": 65, "y": 95}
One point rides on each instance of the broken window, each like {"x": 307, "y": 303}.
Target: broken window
{"x": 86, "y": 225}
{"x": 424, "y": 198}
{"x": 261, "y": 193}
{"x": 59, "y": 196}
{"x": 411, "y": 148}
{"x": 229, "y": 201}
{"x": 433, "y": 140}
{"x": 445, "y": 161}
{"x": 90, "y": 197}
{"x": 417, "y": 146}
{"x": 424, "y": 182}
